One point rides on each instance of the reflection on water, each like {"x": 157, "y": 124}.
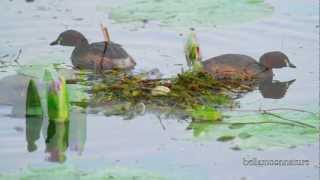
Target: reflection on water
{"x": 148, "y": 142}
{"x": 78, "y": 131}
{"x": 57, "y": 135}
{"x": 274, "y": 89}
{"x": 57, "y": 141}
{"x": 33, "y": 130}
{"x": 13, "y": 92}
{"x": 72, "y": 136}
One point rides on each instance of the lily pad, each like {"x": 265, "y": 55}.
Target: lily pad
{"x": 262, "y": 131}
{"x": 188, "y": 13}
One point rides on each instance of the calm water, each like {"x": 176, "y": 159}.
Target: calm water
{"x": 163, "y": 146}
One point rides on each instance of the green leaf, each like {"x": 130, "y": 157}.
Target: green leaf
{"x": 205, "y": 113}
{"x": 33, "y": 102}
{"x": 58, "y": 100}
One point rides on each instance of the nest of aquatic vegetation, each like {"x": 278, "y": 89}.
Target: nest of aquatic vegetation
{"x": 188, "y": 90}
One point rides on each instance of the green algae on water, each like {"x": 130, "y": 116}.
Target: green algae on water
{"x": 67, "y": 172}
{"x": 182, "y": 13}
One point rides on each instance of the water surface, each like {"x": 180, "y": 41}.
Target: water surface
{"x": 162, "y": 146}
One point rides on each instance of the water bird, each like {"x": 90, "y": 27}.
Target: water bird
{"x": 105, "y": 55}
{"x": 242, "y": 67}
{"x": 235, "y": 66}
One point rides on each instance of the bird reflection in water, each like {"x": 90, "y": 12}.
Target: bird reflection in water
{"x": 273, "y": 89}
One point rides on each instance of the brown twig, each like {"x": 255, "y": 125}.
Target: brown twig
{"x": 278, "y": 116}
{"x": 291, "y": 109}
{"x": 262, "y": 122}
{"x": 4, "y": 56}
{"x": 105, "y": 33}
{"x": 161, "y": 123}
{"x": 16, "y": 60}
{"x": 267, "y": 112}
{"x": 276, "y": 109}
{"x": 106, "y": 37}
{"x": 290, "y": 120}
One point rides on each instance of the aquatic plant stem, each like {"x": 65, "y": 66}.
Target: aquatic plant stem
{"x": 277, "y": 109}
{"x": 262, "y": 122}
{"x": 297, "y": 122}
{"x": 106, "y": 37}
{"x": 267, "y": 112}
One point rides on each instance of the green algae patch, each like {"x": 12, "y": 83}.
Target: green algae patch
{"x": 261, "y": 130}
{"x": 187, "y": 13}
{"x": 66, "y": 172}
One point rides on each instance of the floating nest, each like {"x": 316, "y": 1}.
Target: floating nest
{"x": 188, "y": 91}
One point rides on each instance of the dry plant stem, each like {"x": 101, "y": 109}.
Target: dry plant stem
{"x": 291, "y": 109}
{"x": 262, "y": 122}
{"x": 267, "y": 112}
{"x": 105, "y": 33}
{"x": 290, "y": 120}
{"x": 161, "y": 123}
{"x": 276, "y": 109}
{"x": 4, "y": 56}
{"x": 106, "y": 37}
{"x": 16, "y": 60}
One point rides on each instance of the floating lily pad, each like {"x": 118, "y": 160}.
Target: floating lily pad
{"x": 262, "y": 131}
{"x": 189, "y": 12}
